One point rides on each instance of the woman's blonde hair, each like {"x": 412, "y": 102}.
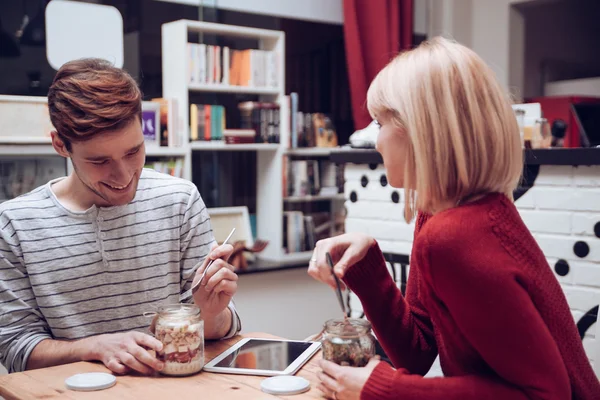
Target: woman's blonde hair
{"x": 462, "y": 132}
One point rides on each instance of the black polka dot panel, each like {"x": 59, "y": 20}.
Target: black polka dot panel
{"x": 353, "y": 197}
{"x": 581, "y": 249}
{"x": 373, "y": 166}
{"x": 395, "y": 197}
{"x": 383, "y": 180}
{"x": 561, "y": 268}
{"x": 597, "y": 229}
{"x": 364, "y": 181}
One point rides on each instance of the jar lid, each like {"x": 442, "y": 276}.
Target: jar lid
{"x": 285, "y": 385}
{"x": 90, "y": 381}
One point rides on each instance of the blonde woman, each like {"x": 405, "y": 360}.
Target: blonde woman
{"x": 480, "y": 292}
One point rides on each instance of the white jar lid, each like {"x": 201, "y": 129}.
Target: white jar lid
{"x": 285, "y": 385}
{"x": 90, "y": 381}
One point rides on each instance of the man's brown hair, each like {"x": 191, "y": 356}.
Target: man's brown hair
{"x": 89, "y": 96}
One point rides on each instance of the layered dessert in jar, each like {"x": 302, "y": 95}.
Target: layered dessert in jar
{"x": 181, "y": 331}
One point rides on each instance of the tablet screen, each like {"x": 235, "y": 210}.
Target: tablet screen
{"x": 268, "y": 355}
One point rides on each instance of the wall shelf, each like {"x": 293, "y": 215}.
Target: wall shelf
{"x": 309, "y": 152}
{"x": 220, "y": 88}
{"x": 291, "y": 258}
{"x": 24, "y": 146}
{"x": 167, "y": 151}
{"x": 222, "y": 146}
{"x": 306, "y": 199}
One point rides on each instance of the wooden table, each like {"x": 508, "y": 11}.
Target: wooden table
{"x": 49, "y": 383}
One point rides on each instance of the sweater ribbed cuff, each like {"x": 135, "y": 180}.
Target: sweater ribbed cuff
{"x": 370, "y": 270}
{"x": 379, "y": 384}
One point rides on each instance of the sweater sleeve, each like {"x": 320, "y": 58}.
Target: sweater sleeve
{"x": 483, "y": 293}
{"x": 22, "y": 325}
{"x": 402, "y": 326}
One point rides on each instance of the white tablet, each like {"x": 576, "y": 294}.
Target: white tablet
{"x": 266, "y": 357}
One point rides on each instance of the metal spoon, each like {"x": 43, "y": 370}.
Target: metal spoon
{"x": 337, "y": 283}
{"x": 197, "y": 285}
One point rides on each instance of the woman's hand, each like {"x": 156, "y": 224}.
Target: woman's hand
{"x": 345, "y": 250}
{"x": 344, "y": 383}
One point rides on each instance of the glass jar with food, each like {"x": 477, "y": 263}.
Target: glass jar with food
{"x": 348, "y": 342}
{"x": 181, "y": 331}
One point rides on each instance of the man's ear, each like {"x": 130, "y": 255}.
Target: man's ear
{"x": 59, "y": 145}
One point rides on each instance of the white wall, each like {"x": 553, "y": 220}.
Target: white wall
{"x": 579, "y": 87}
{"x": 485, "y": 26}
{"x": 452, "y": 19}
{"x": 420, "y": 12}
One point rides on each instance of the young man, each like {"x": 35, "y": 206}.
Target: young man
{"x": 82, "y": 258}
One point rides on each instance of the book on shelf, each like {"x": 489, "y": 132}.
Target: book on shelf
{"x": 172, "y": 131}
{"x": 211, "y": 64}
{"x": 173, "y": 167}
{"x": 259, "y": 122}
{"x": 311, "y": 177}
{"x": 310, "y": 129}
{"x": 263, "y": 118}
{"x": 207, "y": 122}
{"x": 301, "y": 231}
{"x": 295, "y": 241}
{"x": 239, "y": 136}
{"x": 303, "y": 178}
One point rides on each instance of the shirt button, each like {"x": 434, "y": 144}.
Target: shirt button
{"x": 105, "y": 263}
{"x": 103, "y": 235}
{"x": 100, "y": 219}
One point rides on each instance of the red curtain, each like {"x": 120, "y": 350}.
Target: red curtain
{"x": 374, "y": 31}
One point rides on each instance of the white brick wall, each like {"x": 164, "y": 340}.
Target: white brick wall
{"x": 527, "y": 201}
{"x": 583, "y": 223}
{"x": 552, "y": 198}
{"x": 587, "y": 176}
{"x": 560, "y": 210}
{"x": 585, "y": 273}
{"x": 555, "y": 175}
{"x": 547, "y": 221}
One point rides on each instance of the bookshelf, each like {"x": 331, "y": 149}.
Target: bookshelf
{"x": 220, "y": 88}
{"x": 269, "y": 169}
{"x": 311, "y": 198}
{"x": 22, "y": 146}
{"x": 220, "y": 145}
{"x": 309, "y": 152}
{"x": 29, "y": 123}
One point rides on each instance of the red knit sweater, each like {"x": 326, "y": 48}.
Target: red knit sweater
{"x": 481, "y": 294}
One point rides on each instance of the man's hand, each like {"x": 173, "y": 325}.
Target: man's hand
{"x": 125, "y": 352}
{"x": 344, "y": 383}
{"x": 219, "y": 284}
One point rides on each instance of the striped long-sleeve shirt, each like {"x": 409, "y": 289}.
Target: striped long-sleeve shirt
{"x": 70, "y": 275}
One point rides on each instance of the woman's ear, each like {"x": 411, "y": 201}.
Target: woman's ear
{"x": 59, "y": 145}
